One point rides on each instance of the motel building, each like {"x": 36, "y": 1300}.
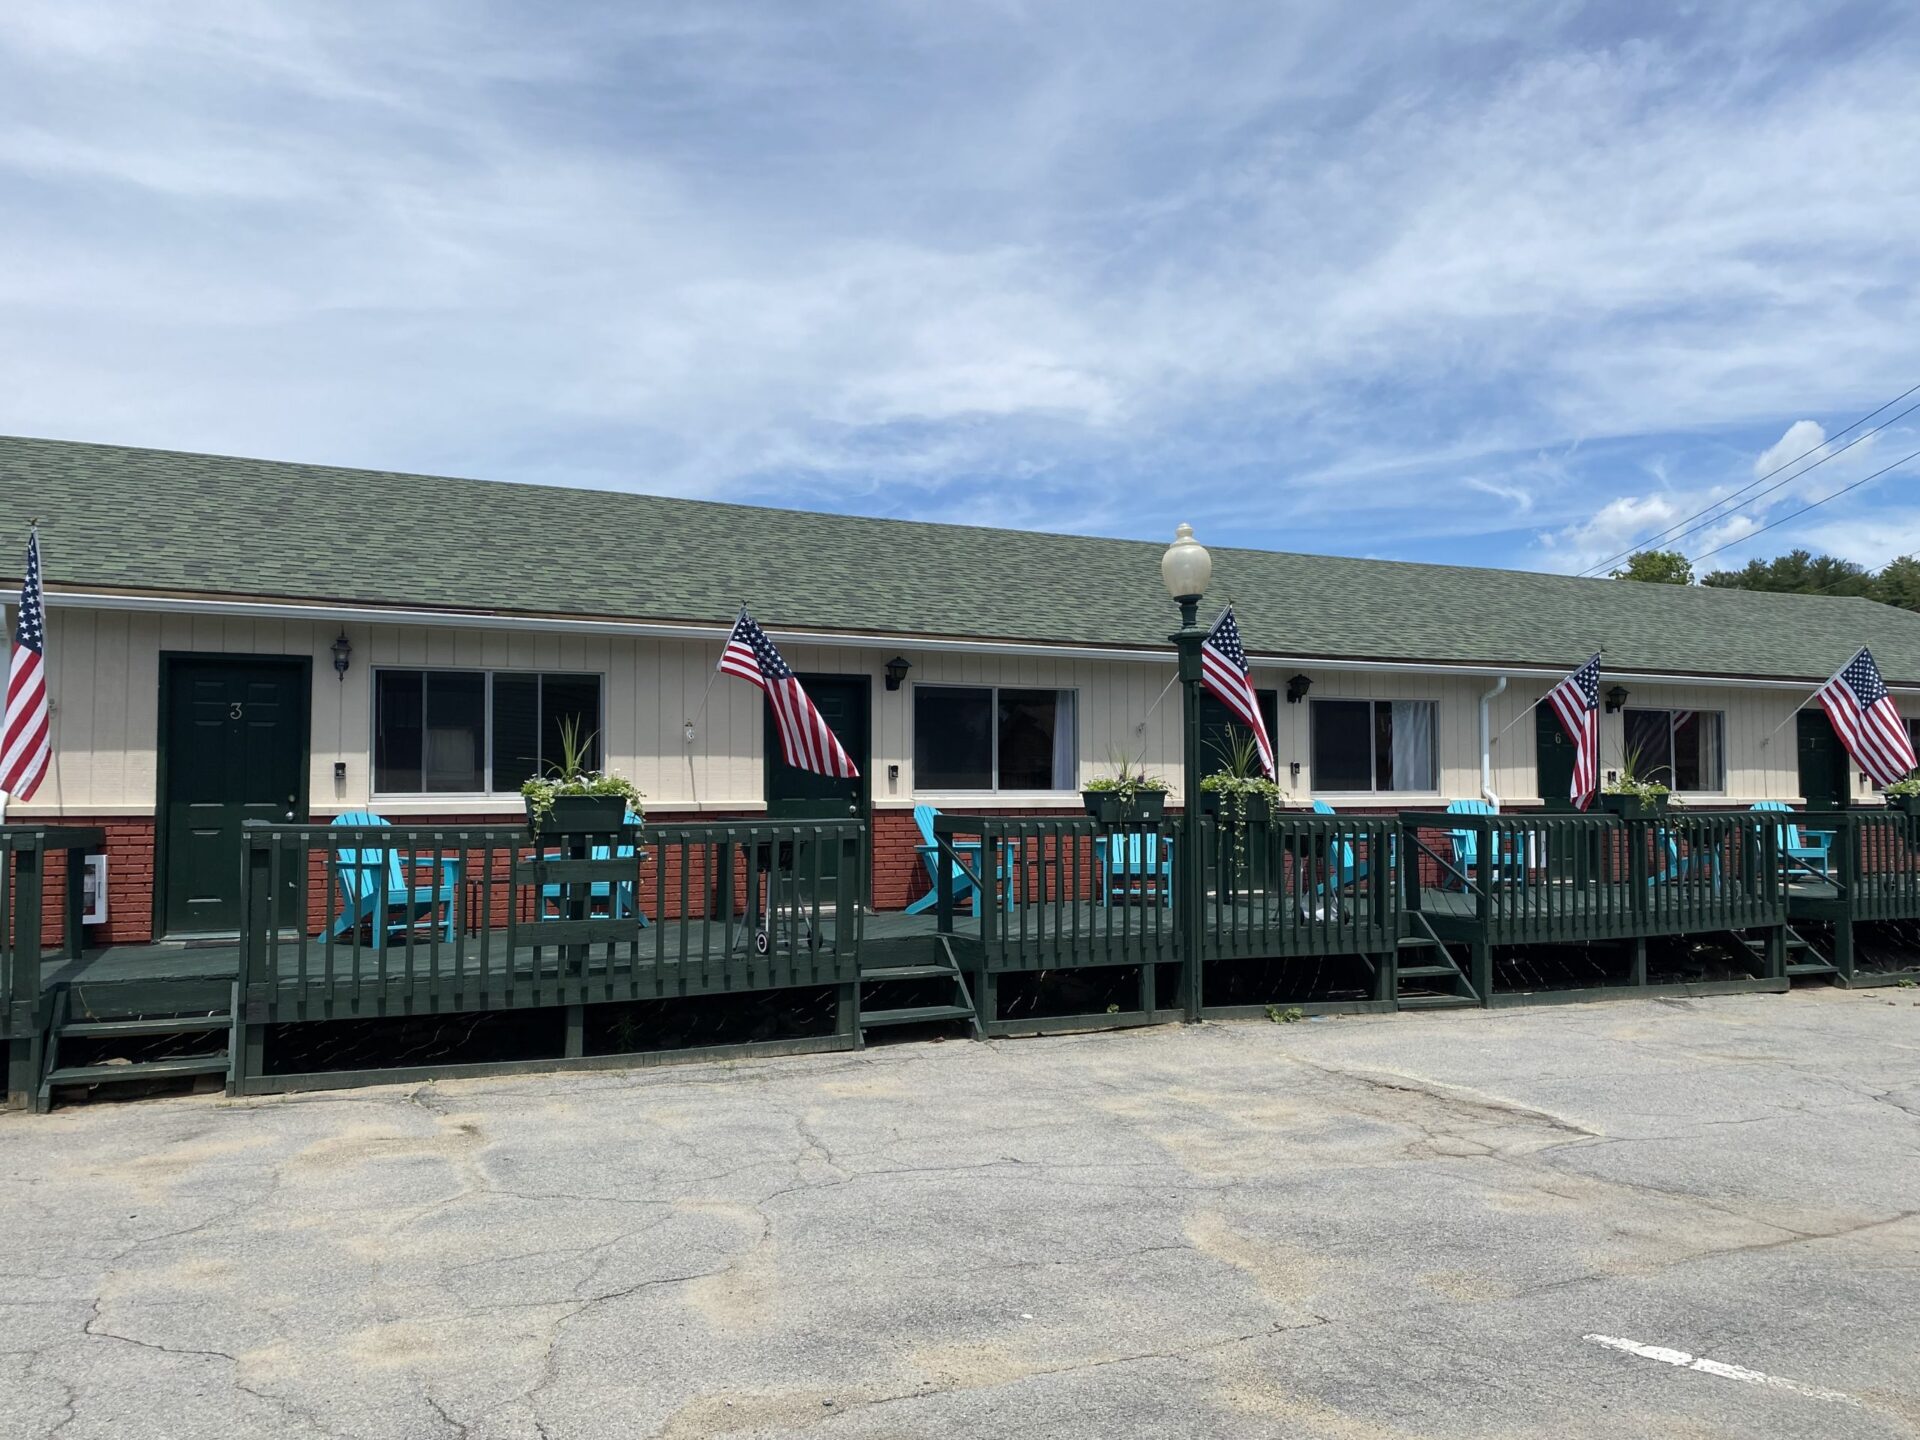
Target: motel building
{"x": 240, "y": 652}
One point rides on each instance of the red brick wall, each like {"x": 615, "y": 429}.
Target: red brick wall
{"x": 129, "y": 881}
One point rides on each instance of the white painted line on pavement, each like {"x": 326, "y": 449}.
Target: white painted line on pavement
{"x": 1719, "y": 1367}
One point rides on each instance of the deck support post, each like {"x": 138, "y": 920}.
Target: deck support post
{"x": 1777, "y": 953}
{"x": 846, "y": 1014}
{"x": 1639, "y": 943}
{"x": 986, "y": 997}
{"x": 1190, "y": 893}
{"x": 576, "y": 1031}
{"x": 1480, "y": 962}
{"x": 1843, "y": 949}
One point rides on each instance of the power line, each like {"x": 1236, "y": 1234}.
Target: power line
{"x": 1741, "y": 540}
{"x": 1760, "y": 479}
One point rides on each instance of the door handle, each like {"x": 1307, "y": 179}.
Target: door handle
{"x": 853, "y": 809}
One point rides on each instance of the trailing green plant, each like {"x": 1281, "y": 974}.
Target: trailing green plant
{"x": 1240, "y": 777}
{"x": 1129, "y": 779}
{"x": 1631, "y": 782}
{"x": 1906, "y": 785}
{"x": 569, "y": 775}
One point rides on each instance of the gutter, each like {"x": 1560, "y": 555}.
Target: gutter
{"x": 1486, "y": 742}
{"x": 893, "y": 640}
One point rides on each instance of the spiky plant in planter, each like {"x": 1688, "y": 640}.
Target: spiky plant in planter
{"x": 1240, "y": 789}
{"x": 1633, "y": 796}
{"x": 1129, "y": 794}
{"x": 573, "y": 800}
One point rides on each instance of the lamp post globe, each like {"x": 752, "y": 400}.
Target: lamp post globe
{"x": 1186, "y": 567}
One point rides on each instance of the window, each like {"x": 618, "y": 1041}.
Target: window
{"x": 1373, "y": 745}
{"x": 474, "y": 732}
{"x": 968, "y": 737}
{"x": 1219, "y": 728}
{"x": 1678, "y": 748}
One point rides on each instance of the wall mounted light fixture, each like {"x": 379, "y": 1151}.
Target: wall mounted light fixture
{"x": 1297, "y": 689}
{"x": 1616, "y": 697}
{"x": 897, "y": 671}
{"x": 342, "y": 655}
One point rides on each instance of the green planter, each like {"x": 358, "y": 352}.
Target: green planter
{"x": 1633, "y": 807}
{"x": 1905, "y": 804}
{"x": 1110, "y": 807}
{"x": 582, "y": 815}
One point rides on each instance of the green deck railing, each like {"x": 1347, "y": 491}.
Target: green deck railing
{"x": 1518, "y": 879}
{"x": 24, "y": 854}
{"x": 482, "y": 918}
{"x": 1064, "y": 891}
{"x": 1873, "y": 865}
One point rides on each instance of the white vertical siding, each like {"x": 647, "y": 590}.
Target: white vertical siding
{"x": 105, "y": 669}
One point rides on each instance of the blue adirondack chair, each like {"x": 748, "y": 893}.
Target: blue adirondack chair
{"x": 1342, "y": 868}
{"x": 969, "y": 852}
{"x": 1128, "y": 861}
{"x": 616, "y": 896}
{"x": 1807, "y": 850}
{"x": 377, "y": 893}
{"x": 1466, "y": 845}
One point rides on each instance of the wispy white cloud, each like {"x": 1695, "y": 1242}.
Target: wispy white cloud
{"x": 1530, "y": 273}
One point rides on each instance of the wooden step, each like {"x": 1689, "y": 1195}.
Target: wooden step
{"x": 1427, "y": 972}
{"x": 1812, "y": 967}
{"x": 905, "y": 972}
{"x": 217, "y": 1064}
{"x": 162, "y": 1025}
{"x": 1417, "y": 942}
{"x": 917, "y": 1015}
{"x": 1436, "y": 1002}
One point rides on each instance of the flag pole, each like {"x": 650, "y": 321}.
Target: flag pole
{"x": 1790, "y": 714}
{"x": 1137, "y": 729}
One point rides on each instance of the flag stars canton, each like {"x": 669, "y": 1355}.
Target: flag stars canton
{"x": 30, "y": 629}
{"x": 1587, "y": 680}
{"x": 1863, "y": 678}
{"x": 1226, "y": 639}
{"x": 771, "y": 665}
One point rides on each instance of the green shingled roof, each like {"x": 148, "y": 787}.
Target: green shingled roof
{"x": 115, "y": 517}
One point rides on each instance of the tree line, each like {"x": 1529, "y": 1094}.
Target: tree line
{"x": 1799, "y": 572}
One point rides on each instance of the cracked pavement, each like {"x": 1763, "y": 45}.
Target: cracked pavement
{"x": 1397, "y": 1227}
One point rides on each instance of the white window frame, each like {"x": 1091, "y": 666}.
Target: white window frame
{"x": 1316, "y": 789}
{"x": 486, "y": 701}
{"x": 1671, "y": 781}
{"x": 993, "y": 691}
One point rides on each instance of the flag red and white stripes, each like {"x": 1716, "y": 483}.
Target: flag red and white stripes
{"x": 1576, "y": 700}
{"x": 1867, "y": 720}
{"x": 26, "y": 736}
{"x": 1225, "y": 672}
{"x": 805, "y": 737}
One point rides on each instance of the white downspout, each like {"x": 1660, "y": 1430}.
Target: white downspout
{"x": 1486, "y": 742}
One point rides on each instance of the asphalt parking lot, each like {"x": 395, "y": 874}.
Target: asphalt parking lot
{"x": 1647, "y": 1218}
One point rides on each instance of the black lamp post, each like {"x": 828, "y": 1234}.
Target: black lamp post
{"x": 1186, "y": 568}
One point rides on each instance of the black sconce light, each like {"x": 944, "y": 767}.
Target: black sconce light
{"x": 342, "y": 651}
{"x": 897, "y": 671}
{"x": 1297, "y": 689}
{"x": 1616, "y": 697}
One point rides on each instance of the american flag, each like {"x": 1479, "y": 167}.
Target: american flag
{"x": 26, "y": 740}
{"x": 805, "y": 738}
{"x": 1867, "y": 720}
{"x": 1576, "y": 700}
{"x": 1224, "y": 671}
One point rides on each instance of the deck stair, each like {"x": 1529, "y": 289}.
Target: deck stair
{"x": 214, "y": 1060}
{"x": 928, "y": 969}
{"x": 1803, "y": 956}
{"x": 1439, "y": 982}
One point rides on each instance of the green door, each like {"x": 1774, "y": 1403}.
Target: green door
{"x": 1823, "y": 763}
{"x": 1219, "y": 729}
{"x": 845, "y": 702}
{"x": 233, "y": 748}
{"x": 1553, "y": 752}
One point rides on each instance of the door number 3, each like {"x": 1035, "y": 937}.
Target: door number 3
{"x": 233, "y": 709}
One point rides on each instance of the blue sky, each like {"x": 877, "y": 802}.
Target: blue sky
{"x": 1496, "y": 284}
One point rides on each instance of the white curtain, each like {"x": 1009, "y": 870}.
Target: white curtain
{"x": 1413, "y": 745}
{"x": 1066, "y": 768}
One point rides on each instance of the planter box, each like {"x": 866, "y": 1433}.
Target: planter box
{"x": 1112, "y": 809}
{"x": 1259, "y": 809}
{"x": 582, "y": 815}
{"x": 1633, "y": 807}
{"x": 1905, "y": 804}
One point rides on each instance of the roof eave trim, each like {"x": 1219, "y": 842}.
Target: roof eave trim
{"x": 181, "y": 604}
